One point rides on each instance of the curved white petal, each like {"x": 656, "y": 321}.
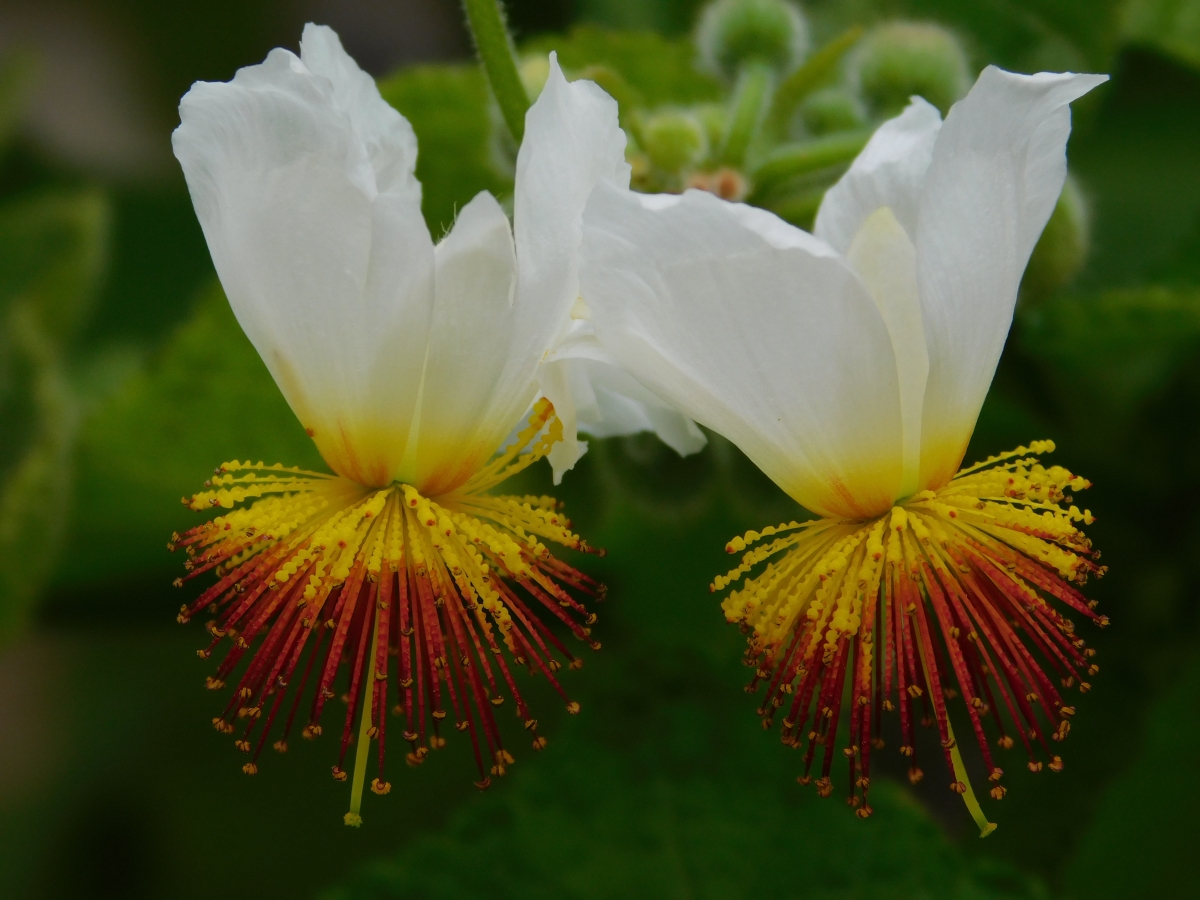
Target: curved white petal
{"x": 386, "y": 135}
{"x": 610, "y": 402}
{"x": 886, "y": 261}
{"x": 461, "y": 421}
{"x": 302, "y": 181}
{"x": 755, "y": 329}
{"x": 595, "y": 396}
{"x": 572, "y": 141}
{"x": 997, "y": 169}
{"x": 890, "y": 171}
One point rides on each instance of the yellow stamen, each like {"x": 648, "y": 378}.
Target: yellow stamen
{"x": 316, "y": 572}
{"x": 957, "y": 586}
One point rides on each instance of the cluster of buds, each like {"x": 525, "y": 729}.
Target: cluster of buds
{"x": 795, "y": 115}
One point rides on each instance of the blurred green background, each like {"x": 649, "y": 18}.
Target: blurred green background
{"x": 124, "y": 380}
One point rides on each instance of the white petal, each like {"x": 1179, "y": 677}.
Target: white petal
{"x": 889, "y": 172}
{"x": 387, "y": 136}
{"x": 462, "y": 420}
{"x": 320, "y": 245}
{"x": 886, "y": 261}
{"x": 593, "y": 395}
{"x": 572, "y": 141}
{"x": 998, "y": 167}
{"x": 617, "y": 404}
{"x": 554, "y": 381}
{"x": 755, "y": 330}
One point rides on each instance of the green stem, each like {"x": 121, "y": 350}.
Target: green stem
{"x": 801, "y": 159}
{"x": 801, "y": 83}
{"x": 756, "y": 83}
{"x": 798, "y": 209}
{"x": 354, "y": 817}
{"x": 486, "y": 19}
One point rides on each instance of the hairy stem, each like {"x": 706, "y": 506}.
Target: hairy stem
{"x": 486, "y": 19}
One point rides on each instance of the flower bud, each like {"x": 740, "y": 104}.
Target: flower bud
{"x": 674, "y": 140}
{"x": 1063, "y": 247}
{"x": 732, "y": 33}
{"x": 713, "y": 117}
{"x": 830, "y": 110}
{"x": 899, "y": 59}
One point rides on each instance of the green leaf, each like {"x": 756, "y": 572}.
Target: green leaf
{"x": 53, "y": 250}
{"x": 1022, "y": 35}
{"x": 1143, "y": 834}
{"x": 206, "y": 399}
{"x": 35, "y": 482}
{"x": 583, "y": 822}
{"x": 793, "y": 161}
{"x": 661, "y": 70}
{"x": 815, "y": 71}
{"x": 448, "y": 109}
{"x": 1171, "y": 27}
{"x": 1117, "y": 349}
{"x": 17, "y": 71}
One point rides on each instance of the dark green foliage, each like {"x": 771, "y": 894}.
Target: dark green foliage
{"x": 447, "y": 106}
{"x": 1170, "y": 26}
{"x": 661, "y": 71}
{"x": 117, "y": 397}
{"x": 1143, "y": 832}
{"x": 52, "y": 252}
{"x": 585, "y": 824}
{"x": 205, "y": 399}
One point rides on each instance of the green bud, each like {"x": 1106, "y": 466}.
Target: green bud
{"x": 713, "y": 118}
{"x": 831, "y": 110}
{"x": 1063, "y": 247}
{"x": 899, "y": 59}
{"x": 674, "y": 140}
{"x": 732, "y": 33}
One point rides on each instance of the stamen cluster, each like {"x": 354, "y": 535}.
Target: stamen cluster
{"x": 320, "y": 575}
{"x": 955, "y": 592}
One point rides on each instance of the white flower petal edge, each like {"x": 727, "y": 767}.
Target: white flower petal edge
{"x": 606, "y": 401}
{"x": 890, "y": 171}
{"x": 885, "y": 259}
{"x": 755, "y": 329}
{"x": 499, "y": 355}
{"x": 464, "y": 414}
{"x": 997, "y": 170}
{"x": 760, "y": 331}
{"x": 402, "y": 360}
{"x": 888, "y": 175}
{"x": 572, "y": 142}
{"x": 302, "y": 179}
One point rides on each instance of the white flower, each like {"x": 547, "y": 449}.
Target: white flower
{"x": 849, "y": 365}
{"x": 403, "y": 360}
